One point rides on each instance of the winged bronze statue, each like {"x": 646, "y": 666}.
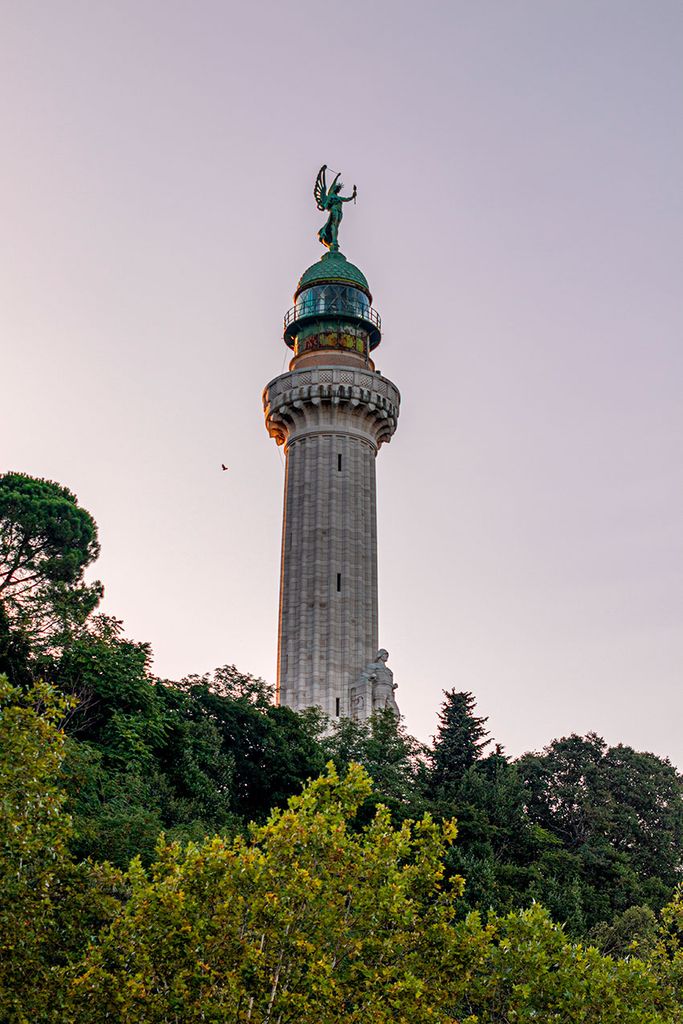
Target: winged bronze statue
{"x": 328, "y": 200}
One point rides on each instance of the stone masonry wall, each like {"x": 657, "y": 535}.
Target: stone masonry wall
{"x": 332, "y": 422}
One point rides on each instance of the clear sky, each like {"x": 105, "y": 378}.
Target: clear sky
{"x": 520, "y": 219}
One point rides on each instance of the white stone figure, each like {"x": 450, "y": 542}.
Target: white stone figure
{"x": 357, "y": 701}
{"x": 383, "y": 685}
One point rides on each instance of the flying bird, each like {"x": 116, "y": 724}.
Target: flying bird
{"x": 223, "y": 466}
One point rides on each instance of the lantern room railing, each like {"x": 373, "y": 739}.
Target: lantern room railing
{"x": 335, "y": 307}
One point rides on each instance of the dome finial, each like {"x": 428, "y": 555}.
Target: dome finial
{"x": 329, "y": 200}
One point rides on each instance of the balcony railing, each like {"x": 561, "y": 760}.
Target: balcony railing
{"x": 334, "y": 307}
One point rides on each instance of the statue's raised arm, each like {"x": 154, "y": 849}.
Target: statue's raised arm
{"x": 328, "y": 200}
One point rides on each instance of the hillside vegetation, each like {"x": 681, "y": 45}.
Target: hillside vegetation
{"x": 186, "y": 851}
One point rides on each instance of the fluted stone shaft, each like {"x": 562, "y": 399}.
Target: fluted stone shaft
{"x": 331, "y": 421}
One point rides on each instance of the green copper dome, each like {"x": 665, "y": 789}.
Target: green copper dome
{"x": 334, "y": 267}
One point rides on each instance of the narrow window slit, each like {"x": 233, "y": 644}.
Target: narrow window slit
{"x": 339, "y": 463}
{"x": 337, "y": 707}
{"x": 338, "y": 581}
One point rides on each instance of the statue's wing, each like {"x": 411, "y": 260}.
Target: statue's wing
{"x": 320, "y": 189}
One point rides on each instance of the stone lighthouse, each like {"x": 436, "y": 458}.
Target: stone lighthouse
{"x": 332, "y": 411}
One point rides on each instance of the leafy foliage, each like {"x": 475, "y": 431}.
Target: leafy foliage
{"x": 531, "y": 972}
{"x": 618, "y": 815}
{"x": 346, "y": 900}
{"x": 273, "y": 750}
{"x": 394, "y": 759}
{"x": 310, "y": 918}
{"x": 633, "y": 931}
{"x": 46, "y": 543}
{"x": 314, "y": 920}
{"x": 50, "y": 905}
{"x": 207, "y": 755}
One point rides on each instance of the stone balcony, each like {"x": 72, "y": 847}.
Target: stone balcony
{"x": 331, "y": 398}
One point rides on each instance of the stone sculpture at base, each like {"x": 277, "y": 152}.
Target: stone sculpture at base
{"x": 374, "y": 691}
{"x": 383, "y": 684}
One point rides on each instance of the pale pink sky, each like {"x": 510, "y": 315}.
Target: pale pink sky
{"x": 519, "y": 217}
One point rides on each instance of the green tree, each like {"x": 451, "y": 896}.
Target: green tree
{"x": 144, "y": 757}
{"x": 15, "y": 652}
{"x": 395, "y": 761}
{"x": 313, "y": 918}
{"x": 460, "y": 741}
{"x": 666, "y": 962}
{"x": 198, "y": 770}
{"x": 532, "y": 972}
{"x": 116, "y": 728}
{"x": 316, "y": 920}
{"x": 309, "y": 921}
{"x": 118, "y": 705}
{"x": 205, "y": 755}
{"x": 633, "y": 931}
{"x": 273, "y": 750}
{"x": 117, "y": 813}
{"x": 486, "y": 795}
{"x": 498, "y": 844}
{"x": 46, "y": 543}
{"x": 49, "y": 906}
{"x": 619, "y": 817}
{"x": 646, "y": 820}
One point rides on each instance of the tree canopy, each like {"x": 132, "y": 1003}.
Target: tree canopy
{"x": 177, "y": 850}
{"x": 50, "y": 905}
{"x": 311, "y": 917}
{"x": 460, "y": 740}
{"x": 46, "y": 542}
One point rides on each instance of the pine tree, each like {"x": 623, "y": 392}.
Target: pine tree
{"x": 459, "y": 742}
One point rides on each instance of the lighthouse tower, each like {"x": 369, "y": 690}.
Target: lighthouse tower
{"x": 332, "y": 411}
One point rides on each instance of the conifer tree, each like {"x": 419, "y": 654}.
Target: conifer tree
{"x": 460, "y": 740}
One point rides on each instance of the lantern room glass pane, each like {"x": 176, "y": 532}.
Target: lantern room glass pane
{"x": 332, "y": 298}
